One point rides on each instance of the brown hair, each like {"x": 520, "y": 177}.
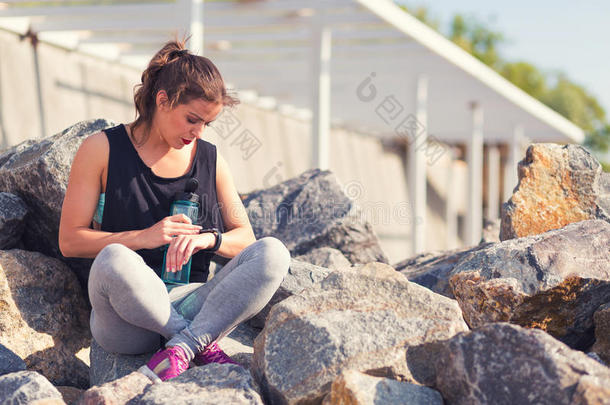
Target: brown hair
{"x": 183, "y": 76}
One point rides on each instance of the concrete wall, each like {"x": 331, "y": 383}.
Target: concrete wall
{"x": 45, "y": 90}
{"x": 48, "y": 90}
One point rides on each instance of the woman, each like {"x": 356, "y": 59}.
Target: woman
{"x": 131, "y": 173}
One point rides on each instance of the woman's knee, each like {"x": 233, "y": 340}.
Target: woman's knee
{"x": 112, "y": 259}
{"x": 275, "y": 255}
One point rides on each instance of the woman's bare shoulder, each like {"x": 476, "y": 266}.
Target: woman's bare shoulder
{"x": 95, "y": 147}
{"x": 97, "y": 139}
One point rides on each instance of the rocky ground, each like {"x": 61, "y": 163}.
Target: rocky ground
{"x": 521, "y": 318}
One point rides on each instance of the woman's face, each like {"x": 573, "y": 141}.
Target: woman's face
{"x": 180, "y": 125}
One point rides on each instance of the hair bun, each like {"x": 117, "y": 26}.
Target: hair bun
{"x": 178, "y": 53}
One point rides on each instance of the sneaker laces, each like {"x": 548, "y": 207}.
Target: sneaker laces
{"x": 213, "y": 354}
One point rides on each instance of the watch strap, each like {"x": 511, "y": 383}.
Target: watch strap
{"x": 218, "y": 237}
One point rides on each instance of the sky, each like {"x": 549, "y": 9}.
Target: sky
{"x": 554, "y": 35}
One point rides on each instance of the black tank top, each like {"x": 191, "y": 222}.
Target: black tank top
{"x": 136, "y": 198}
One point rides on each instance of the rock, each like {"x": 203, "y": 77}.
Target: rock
{"x": 596, "y": 357}
{"x": 312, "y": 211}
{"x": 554, "y": 281}
{"x": 70, "y": 395}
{"x": 432, "y": 269}
{"x": 9, "y": 361}
{"x": 107, "y": 366}
{"x": 360, "y": 318}
{"x": 43, "y": 317}
{"x": 592, "y": 391}
{"x": 25, "y": 387}
{"x": 355, "y": 388}
{"x": 491, "y": 231}
{"x": 38, "y": 171}
{"x": 300, "y": 276}
{"x": 558, "y": 185}
{"x": 119, "y": 391}
{"x": 601, "y": 319}
{"x": 325, "y": 257}
{"x": 505, "y": 364}
{"x": 210, "y": 384}
{"x": 239, "y": 344}
{"x": 12, "y": 220}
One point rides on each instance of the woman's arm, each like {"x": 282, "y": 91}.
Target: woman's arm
{"x": 76, "y": 239}
{"x": 235, "y": 219}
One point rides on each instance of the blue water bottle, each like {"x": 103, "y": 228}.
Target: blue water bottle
{"x": 186, "y": 203}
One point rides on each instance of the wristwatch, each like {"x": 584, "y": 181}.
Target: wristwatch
{"x": 218, "y": 236}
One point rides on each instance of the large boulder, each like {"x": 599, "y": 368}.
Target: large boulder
{"x": 26, "y": 388}
{"x": 38, "y": 171}
{"x": 355, "y": 388}
{"x": 12, "y": 220}
{"x": 119, "y": 391}
{"x": 43, "y": 317}
{"x": 301, "y": 275}
{"x": 107, "y": 366}
{"x": 554, "y": 281}
{"x": 312, "y": 211}
{"x": 601, "y": 318}
{"x": 325, "y": 257}
{"x": 558, "y": 185}
{"x": 359, "y": 318}
{"x": 432, "y": 269}
{"x": 239, "y": 344}
{"x": 10, "y": 362}
{"x": 207, "y": 385}
{"x": 505, "y": 364}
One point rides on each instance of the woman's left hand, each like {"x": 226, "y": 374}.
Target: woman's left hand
{"x": 182, "y": 247}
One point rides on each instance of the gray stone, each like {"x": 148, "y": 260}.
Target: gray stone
{"x": 239, "y": 344}
{"x": 107, "y": 366}
{"x": 210, "y": 384}
{"x": 38, "y": 171}
{"x": 596, "y": 357}
{"x": 44, "y": 318}
{"x": 12, "y": 220}
{"x": 553, "y": 281}
{"x": 25, "y": 387}
{"x": 312, "y": 211}
{"x": 70, "y": 395}
{"x": 9, "y": 361}
{"x": 355, "y": 388}
{"x": 325, "y": 257}
{"x": 361, "y": 318}
{"x": 502, "y": 363}
{"x": 558, "y": 185}
{"x": 601, "y": 319}
{"x": 116, "y": 392}
{"x": 301, "y": 275}
{"x": 432, "y": 269}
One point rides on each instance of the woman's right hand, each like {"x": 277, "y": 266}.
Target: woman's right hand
{"x": 163, "y": 231}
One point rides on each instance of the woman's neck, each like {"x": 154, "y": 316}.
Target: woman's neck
{"x": 147, "y": 138}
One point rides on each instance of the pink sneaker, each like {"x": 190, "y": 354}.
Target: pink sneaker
{"x": 165, "y": 364}
{"x": 212, "y": 354}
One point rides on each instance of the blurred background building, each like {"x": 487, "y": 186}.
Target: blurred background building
{"x": 422, "y": 134}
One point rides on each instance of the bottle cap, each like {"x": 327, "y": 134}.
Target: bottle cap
{"x": 189, "y": 192}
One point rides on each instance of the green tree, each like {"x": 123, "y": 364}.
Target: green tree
{"x": 527, "y": 77}
{"x": 575, "y": 103}
{"x": 477, "y": 39}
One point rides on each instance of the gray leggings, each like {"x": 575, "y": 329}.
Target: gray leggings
{"x": 131, "y": 306}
